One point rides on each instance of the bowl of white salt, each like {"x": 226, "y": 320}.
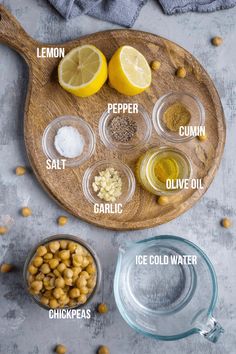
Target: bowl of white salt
{"x": 69, "y": 138}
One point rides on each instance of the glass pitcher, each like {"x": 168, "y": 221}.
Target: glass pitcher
{"x": 166, "y": 288}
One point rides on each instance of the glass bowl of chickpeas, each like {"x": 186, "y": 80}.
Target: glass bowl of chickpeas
{"x": 62, "y": 271}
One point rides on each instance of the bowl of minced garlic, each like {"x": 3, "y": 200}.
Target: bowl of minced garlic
{"x": 62, "y": 272}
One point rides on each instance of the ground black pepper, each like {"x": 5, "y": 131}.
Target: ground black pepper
{"x": 122, "y": 129}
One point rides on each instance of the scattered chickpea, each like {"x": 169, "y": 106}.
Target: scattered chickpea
{"x": 61, "y": 349}
{"x": 20, "y": 171}
{"x": 217, "y": 41}
{"x": 6, "y": 268}
{"x": 181, "y": 72}
{"x": 155, "y": 65}
{"x": 26, "y": 212}
{"x": 3, "y": 230}
{"x": 202, "y": 137}
{"x": 227, "y": 223}
{"x": 103, "y": 350}
{"x": 102, "y": 308}
{"x": 163, "y": 200}
{"x": 62, "y": 220}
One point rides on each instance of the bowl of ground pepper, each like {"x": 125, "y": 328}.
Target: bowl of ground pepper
{"x": 174, "y": 113}
{"x": 125, "y": 131}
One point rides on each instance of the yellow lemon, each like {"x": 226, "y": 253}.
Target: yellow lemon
{"x": 129, "y": 72}
{"x": 83, "y": 71}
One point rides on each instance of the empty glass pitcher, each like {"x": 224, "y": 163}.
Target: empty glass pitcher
{"x": 165, "y": 287}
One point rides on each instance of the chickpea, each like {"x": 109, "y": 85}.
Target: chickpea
{"x": 72, "y": 247}
{"x": 39, "y": 276}
{"x": 44, "y": 300}
{"x": 61, "y": 267}
{"x": 79, "y": 250}
{"x": 84, "y": 290}
{"x": 68, "y": 273}
{"x": 37, "y": 285}
{"x": 31, "y": 278}
{"x": 227, "y": 223}
{"x": 41, "y": 251}
{"x": 103, "y": 350}
{"x": 85, "y": 262}
{"x": 64, "y": 255}
{"x": 76, "y": 271}
{"x": 32, "y": 269}
{"x": 61, "y": 349}
{"x": 82, "y": 299}
{"x": 37, "y": 261}
{"x": 57, "y": 273}
{"x": 155, "y": 65}
{"x": 202, "y": 138}
{"x": 67, "y": 263}
{"x": 81, "y": 282}
{"x": 77, "y": 260}
{"x": 20, "y": 171}
{"x": 62, "y": 220}
{"x": 63, "y": 244}
{"x": 84, "y": 274}
{"x": 53, "y": 303}
{"x": 91, "y": 282}
{"x": 72, "y": 303}
{"x": 47, "y": 294}
{"x": 91, "y": 269}
{"x": 163, "y": 200}
{"x": 48, "y": 256}
{"x": 57, "y": 293}
{"x": 102, "y": 308}
{"x": 6, "y": 268}
{"x": 45, "y": 269}
{"x": 217, "y": 41}
{"x": 181, "y": 72}
{"x": 3, "y": 230}
{"x": 64, "y": 300}
{"x": 60, "y": 282}
{"x": 53, "y": 263}
{"x": 68, "y": 281}
{"x": 54, "y": 246}
{"x": 74, "y": 293}
{"x": 26, "y": 212}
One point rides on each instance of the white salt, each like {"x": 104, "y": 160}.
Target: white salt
{"x": 69, "y": 142}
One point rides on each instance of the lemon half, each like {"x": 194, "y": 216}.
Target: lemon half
{"x": 129, "y": 71}
{"x": 83, "y": 71}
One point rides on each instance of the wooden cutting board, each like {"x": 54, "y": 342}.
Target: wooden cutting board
{"x": 47, "y": 100}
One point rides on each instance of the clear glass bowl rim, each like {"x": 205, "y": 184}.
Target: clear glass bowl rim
{"x": 70, "y": 238}
{"x": 156, "y": 116}
{"x": 120, "y": 304}
{"x": 76, "y": 119}
{"x": 113, "y": 162}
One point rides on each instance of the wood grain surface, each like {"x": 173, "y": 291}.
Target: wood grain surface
{"x": 46, "y": 100}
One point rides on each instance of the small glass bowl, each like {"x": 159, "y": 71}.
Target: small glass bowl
{"x": 67, "y": 238}
{"x": 126, "y": 174}
{"x": 83, "y": 128}
{"x": 142, "y": 136}
{"x": 191, "y": 102}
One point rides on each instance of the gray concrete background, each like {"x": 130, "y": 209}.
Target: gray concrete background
{"x": 24, "y": 327}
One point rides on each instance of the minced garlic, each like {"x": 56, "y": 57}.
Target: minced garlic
{"x": 108, "y": 185}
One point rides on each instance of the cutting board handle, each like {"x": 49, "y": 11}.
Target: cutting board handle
{"x": 12, "y": 34}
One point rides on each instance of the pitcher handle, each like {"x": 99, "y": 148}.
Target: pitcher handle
{"x": 211, "y": 329}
